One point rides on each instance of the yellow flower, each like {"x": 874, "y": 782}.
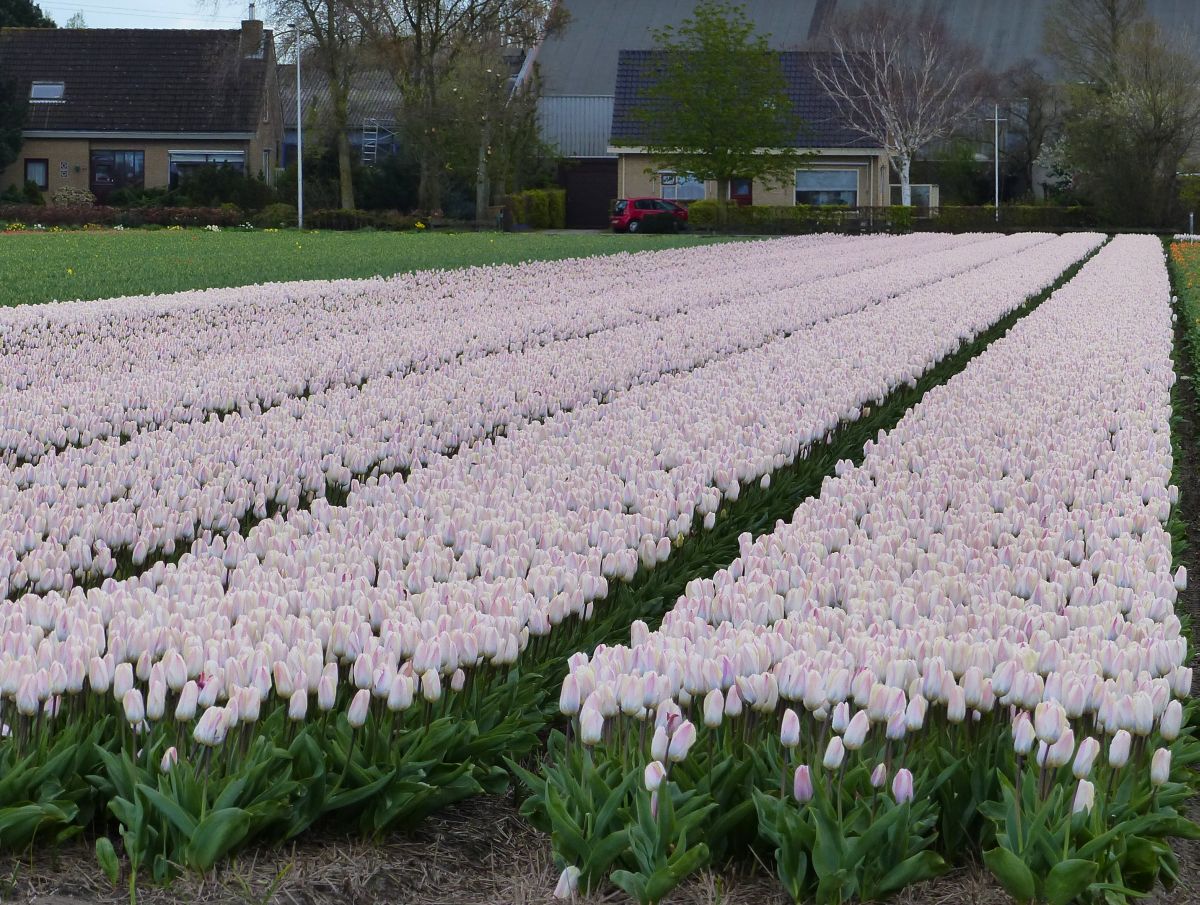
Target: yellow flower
{"x": 419, "y": 225}
{"x": 70, "y": 271}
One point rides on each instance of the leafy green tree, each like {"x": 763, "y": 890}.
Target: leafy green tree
{"x": 1133, "y": 109}
{"x": 12, "y": 121}
{"x": 23, "y": 14}
{"x": 717, "y": 107}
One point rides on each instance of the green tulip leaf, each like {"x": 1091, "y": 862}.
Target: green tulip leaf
{"x": 1012, "y": 872}
{"x": 1068, "y": 880}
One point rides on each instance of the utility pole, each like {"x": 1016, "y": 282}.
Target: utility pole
{"x": 299, "y": 137}
{"x": 996, "y": 121}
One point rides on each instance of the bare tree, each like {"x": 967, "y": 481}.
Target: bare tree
{"x": 1087, "y": 37}
{"x": 1034, "y": 112}
{"x": 329, "y": 37}
{"x": 899, "y": 79}
{"x": 422, "y": 40}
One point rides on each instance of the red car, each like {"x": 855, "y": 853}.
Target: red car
{"x": 628, "y": 213}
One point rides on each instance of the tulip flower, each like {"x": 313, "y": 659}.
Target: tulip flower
{"x": 360, "y": 706}
{"x": 326, "y": 694}
{"x": 1085, "y": 757}
{"x": 902, "y": 786}
{"x": 169, "y": 759}
{"x": 654, "y": 775}
{"x": 1118, "y": 749}
{"x": 185, "y": 707}
{"x": 1160, "y": 767}
{"x": 681, "y": 742}
{"x": 856, "y": 732}
{"x": 1059, "y": 754}
{"x": 879, "y": 776}
{"x": 134, "y": 706}
{"x": 714, "y": 709}
{"x": 789, "y": 734}
{"x": 568, "y": 699}
{"x": 431, "y": 686}
{"x": 298, "y": 705}
{"x": 1085, "y": 797}
{"x": 1024, "y": 735}
{"x": 835, "y": 753}
{"x": 802, "y": 784}
{"x": 1049, "y": 721}
{"x": 1171, "y": 722}
{"x": 568, "y": 883}
{"x": 591, "y": 725}
{"x": 210, "y": 728}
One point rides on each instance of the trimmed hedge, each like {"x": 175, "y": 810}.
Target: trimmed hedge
{"x": 100, "y": 215}
{"x": 538, "y": 208}
{"x": 954, "y": 218}
{"x": 794, "y": 219}
{"x": 392, "y": 221}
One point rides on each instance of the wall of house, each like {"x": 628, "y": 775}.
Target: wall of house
{"x": 634, "y": 181}
{"x": 70, "y": 158}
{"x": 68, "y": 163}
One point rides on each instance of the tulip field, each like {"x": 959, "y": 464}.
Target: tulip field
{"x": 851, "y": 557}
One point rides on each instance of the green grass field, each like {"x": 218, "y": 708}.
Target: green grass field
{"x": 44, "y": 266}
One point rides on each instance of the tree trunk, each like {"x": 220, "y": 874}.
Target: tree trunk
{"x": 345, "y": 172}
{"x": 723, "y": 189}
{"x": 481, "y": 178}
{"x": 906, "y": 179}
{"x": 429, "y": 188}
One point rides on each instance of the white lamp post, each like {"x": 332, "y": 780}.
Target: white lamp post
{"x": 299, "y": 137}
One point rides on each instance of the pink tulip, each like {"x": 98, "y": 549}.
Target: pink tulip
{"x": 1085, "y": 798}
{"x": 169, "y": 759}
{"x": 902, "y": 786}
{"x": 654, "y": 774}
{"x": 681, "y": 742}
{"x": 802, "y": 784}
{"x": 789, "y": 734}
{"x": 1160, "y": 767}
{"x": 360, "y": 706}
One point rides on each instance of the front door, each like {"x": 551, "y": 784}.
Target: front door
{"x": 741, "y": 191}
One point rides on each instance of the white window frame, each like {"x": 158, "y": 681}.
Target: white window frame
{"x": 50, "y": 92}
{"x": 853, "y": 171}
{"x": 669, "y": 180}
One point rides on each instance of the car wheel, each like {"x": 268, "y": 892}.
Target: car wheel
{"x": 633, "y": 226}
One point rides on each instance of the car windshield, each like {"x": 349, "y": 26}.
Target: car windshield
{"x": 620, "y": 207}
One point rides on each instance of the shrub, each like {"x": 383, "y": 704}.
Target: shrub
{"x": 538, "y": 208}
{"x": 344, "y": 219}
{"x": 69, "y": 196}
{"x": 212, "y": 186}
{"x": 275, "y": 216}
{"x": 31, "y": 194}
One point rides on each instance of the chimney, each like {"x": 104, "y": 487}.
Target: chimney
{"x": 252, "y": 36}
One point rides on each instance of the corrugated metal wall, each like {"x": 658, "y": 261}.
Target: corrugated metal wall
{"x": 577, "y": 125}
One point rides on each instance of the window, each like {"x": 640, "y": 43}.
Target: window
{"x": 113, "y": 170}
{"x": 827, "y": 187}
{"x": 46, "y": 93}
{"x": 37, "y": 171}
{"x": 645, "y": 204}
{"x": 681, "y": 188}
{"x": 184, "y": 163}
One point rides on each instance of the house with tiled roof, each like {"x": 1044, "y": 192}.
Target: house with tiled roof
{"x": 844, "y": 167}
{"x": 140, "y": 108}
{"x": 372, "y": 109}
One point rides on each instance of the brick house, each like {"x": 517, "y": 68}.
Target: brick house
{"x": 132, "y": 108}
{"x": 845, "y": 168}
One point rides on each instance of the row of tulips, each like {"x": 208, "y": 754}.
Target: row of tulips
{"x": 110, "y": 508}
{"x": 966, "y": 644}
{"x": 80, "y": 372}
{"x": 368, "y": 662}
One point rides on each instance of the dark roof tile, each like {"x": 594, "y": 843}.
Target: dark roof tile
{"x": 140, "y": 80}
{"x": 820, "y": 126}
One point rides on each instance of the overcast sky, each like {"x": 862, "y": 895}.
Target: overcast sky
{"x": 148, "y": 13}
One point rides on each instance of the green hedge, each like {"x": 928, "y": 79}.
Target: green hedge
{"x": 954, "y": 218}
{"x": 790, "y": 219}
{"x": 538, "y": 208}
{"x": 352, "y": 219}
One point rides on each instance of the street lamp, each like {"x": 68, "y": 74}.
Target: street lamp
{"x": 299, "y": 135}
